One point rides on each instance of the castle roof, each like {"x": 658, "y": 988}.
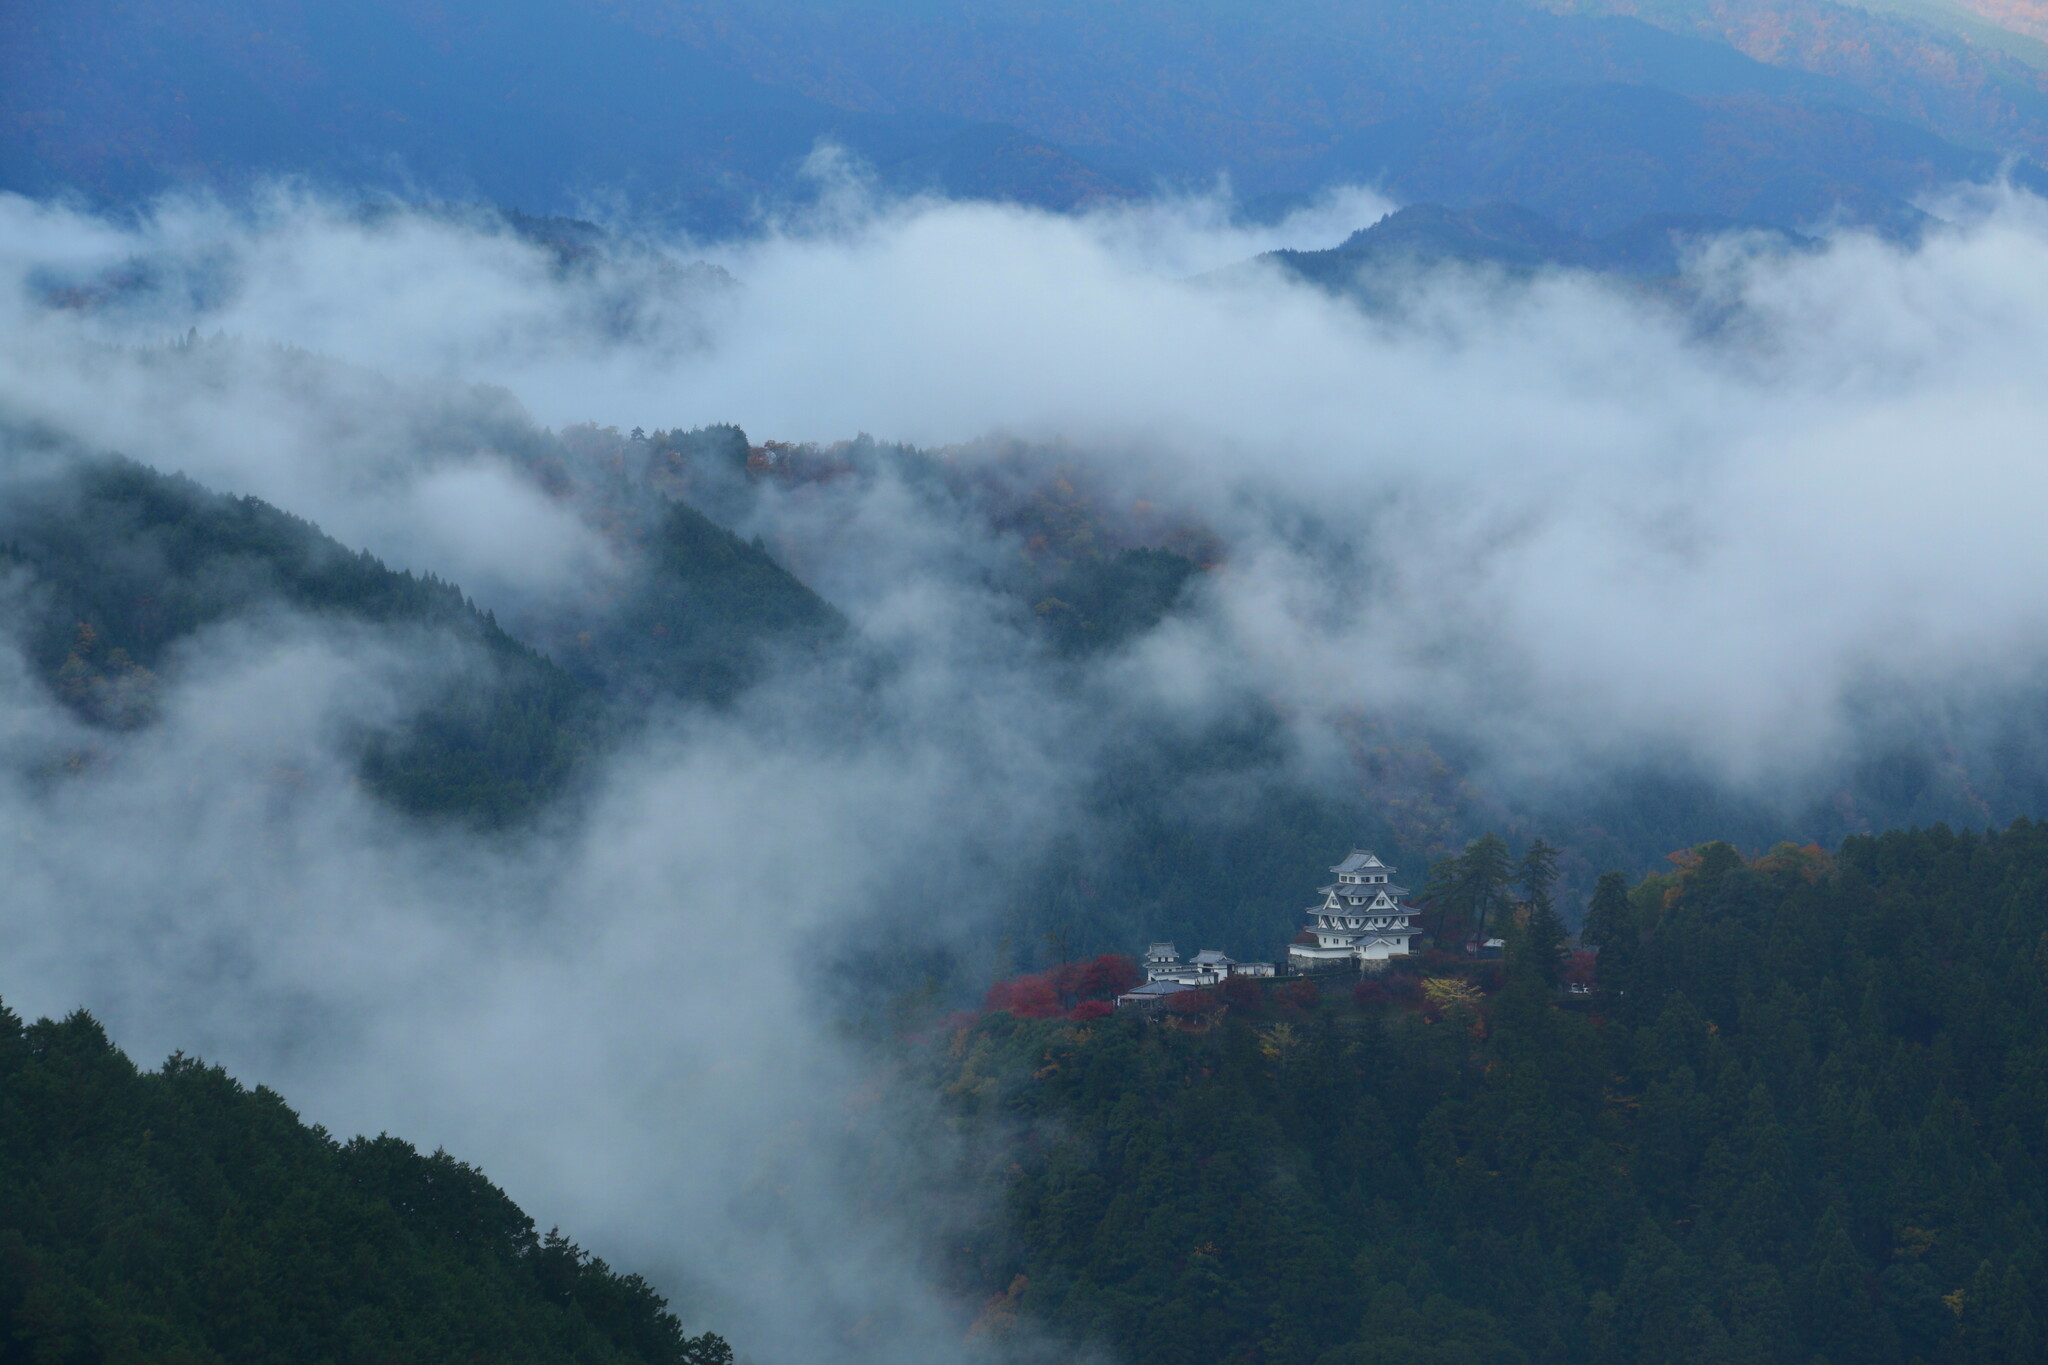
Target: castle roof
{"x": 1210, "y": 957}
{"x": 1359, "y": 859}
{"x": 1159, "y": 988}
{"x": 1362, "y": 889}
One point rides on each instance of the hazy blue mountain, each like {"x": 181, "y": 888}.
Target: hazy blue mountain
{"x": 707, "y": 110}
{"x": 529, "y": 103}
{"x": 1977, "y": 73}
{"x": 1594, "y": 119}
{"x": 1264, "y": 89}
{"x": 1597, "y": 157}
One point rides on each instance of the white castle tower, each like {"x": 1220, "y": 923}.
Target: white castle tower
{"x": 1361, "y": 918}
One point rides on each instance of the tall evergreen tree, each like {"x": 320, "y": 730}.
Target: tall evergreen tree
{"x": 1541, "y": 946}
{"x": 1611, "y": 928}
{"x": 1440, "y": 892}
{"x": 1470, "y": 888}
{"x": 1844, "y": 1326}
{"x": 1484, "y": 879}
{"x": 1537, "y": 872}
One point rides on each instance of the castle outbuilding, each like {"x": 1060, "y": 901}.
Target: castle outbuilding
{"x": 1206, "y": 968}
{"x": 1361, "y": 918}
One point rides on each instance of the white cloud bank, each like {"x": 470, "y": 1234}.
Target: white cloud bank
{"x": 1625, "y": 517}
{"x": 1559, "y": 517}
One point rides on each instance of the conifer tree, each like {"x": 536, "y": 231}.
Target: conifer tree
{"x": 1845, "y": 1327}
{"x": 1441, "y": 891}
{"x": 1542, "y": 945}
{"x": 1537, "y": 872}
{"x": 1611, "y": 928}
{"x": 1471, "y": 887}
{"x": 1485, "y": 889}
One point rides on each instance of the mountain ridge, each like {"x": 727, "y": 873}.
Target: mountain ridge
{"x": 1520, "y": 240}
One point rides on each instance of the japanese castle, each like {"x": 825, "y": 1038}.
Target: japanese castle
{"x": 1361, "y": 918}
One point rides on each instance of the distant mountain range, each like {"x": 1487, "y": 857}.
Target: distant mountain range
{"x": 1787, "y": 111}
{"x": 533, "y": 104}
{"x": 1592, "y": 118}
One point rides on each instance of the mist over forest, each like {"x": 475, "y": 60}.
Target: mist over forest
{"x": 672, "y": 667}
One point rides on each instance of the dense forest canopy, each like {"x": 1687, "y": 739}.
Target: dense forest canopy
{"x": 1801, "y": 1118}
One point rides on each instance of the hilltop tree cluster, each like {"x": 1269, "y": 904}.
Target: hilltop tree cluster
{"x": 174, "y": 1217}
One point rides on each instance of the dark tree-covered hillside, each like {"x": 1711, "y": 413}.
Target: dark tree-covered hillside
{"x": 706, "y": 615}
{"x": 112, "y": 567}
{"x": 1801, "y": 1119}
{"x": 125, "y": 563}
{"x": 174, "y": 1216}
{"x": 1099, "y": 604}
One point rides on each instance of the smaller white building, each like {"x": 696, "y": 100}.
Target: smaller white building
{"x": 1211, "y": 960}
{"x": 1206, "y": 968}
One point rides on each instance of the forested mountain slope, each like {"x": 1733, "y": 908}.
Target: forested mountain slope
{"x": 174, "y": 1216}
{"x": 1802, "y": 1119}
{"x": 703, "y": 617}
{"x": 124, "y": 564}
{"x": 117, "y": 567}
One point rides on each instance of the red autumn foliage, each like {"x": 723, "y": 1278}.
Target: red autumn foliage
{"x": 1047, "y": 994}
{"x": 1241, "y": 993}
{"x": 1100, "y": 978}
{"x": 1370, "y": 994}
{"x": 1092, "y": 1009}
{"x": 1579, "y": 968}
{"x": 1192, "y": 1002}
{"x": 1027, "y": 997}
{"x": 1304, "y": 995}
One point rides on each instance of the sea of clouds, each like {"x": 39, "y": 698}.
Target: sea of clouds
{"x": 1572, "y": 519}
